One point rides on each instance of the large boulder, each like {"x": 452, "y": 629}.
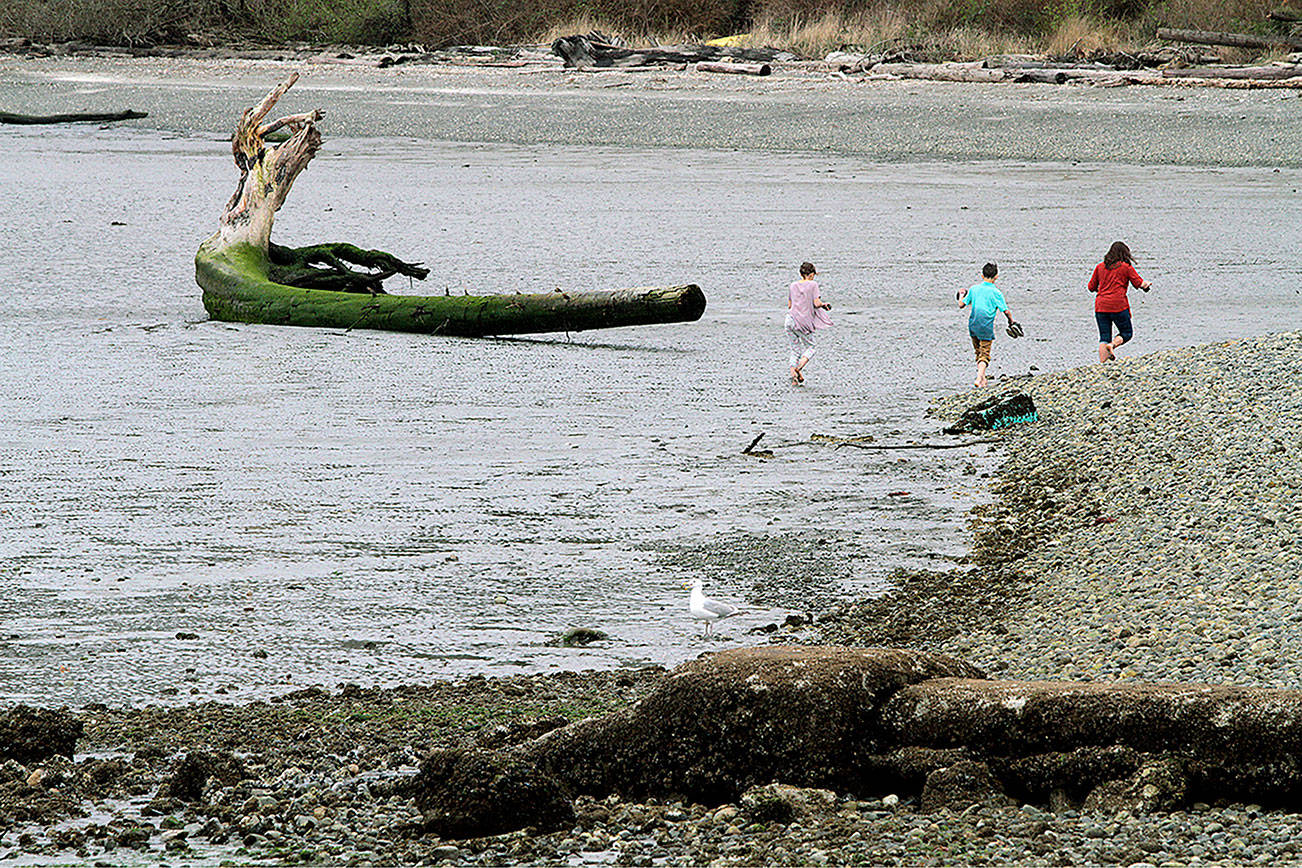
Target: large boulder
{"x": 475, "y": 793}
{"x": 782, "y": 803}
{"x": 1232, "y": 742}
{"x": 806, "y": 716}
{"x": 960, "y": 786}
{"x": 30, "y": 735}
{"x": 1160, "y": 785}
{"x": 194, "y": 770}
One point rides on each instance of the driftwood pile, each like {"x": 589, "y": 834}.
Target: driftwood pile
{"x": 594, "y": 50}
{"x": 1160, "y": 66}
{"x": 1028, "y": 69}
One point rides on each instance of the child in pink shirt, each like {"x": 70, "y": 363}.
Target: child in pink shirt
{"x": 806, "y": 313}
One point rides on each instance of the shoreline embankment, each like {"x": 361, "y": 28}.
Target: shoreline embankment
{"x": 1144, "y": 529}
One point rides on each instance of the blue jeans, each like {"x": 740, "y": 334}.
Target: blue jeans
{"x": 1105, "y": 321}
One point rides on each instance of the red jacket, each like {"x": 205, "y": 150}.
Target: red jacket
{"x": 1111, "y": 285}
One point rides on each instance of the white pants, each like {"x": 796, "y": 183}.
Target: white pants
{"x": 802, "y": 343}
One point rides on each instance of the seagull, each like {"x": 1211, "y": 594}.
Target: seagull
{"x": 708, "y": 610}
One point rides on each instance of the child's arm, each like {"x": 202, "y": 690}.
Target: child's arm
{"x": 1138, "y": 281}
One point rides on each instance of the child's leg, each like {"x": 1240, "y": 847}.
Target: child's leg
{"x": 793, "y": 339}
{"x": 1125, "y": 330}
{"x": 807, "y": 344}
{"x": 1104, "y": 322}
{"x": 981, "y": 349}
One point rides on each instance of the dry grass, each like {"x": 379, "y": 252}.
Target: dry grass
{"x": 829, "y": 31}
{"x": 1078, "y": 35}
{"x": 624, "y": 33}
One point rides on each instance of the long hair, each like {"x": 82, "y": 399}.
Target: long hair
{"x": 1118, "y": 252}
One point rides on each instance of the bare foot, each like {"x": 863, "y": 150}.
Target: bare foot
{"x": 980, "y": 383}
{"x": 795, "y": 377}
{"x": 800, "y": 377}
{"x": 1112, "y": 357}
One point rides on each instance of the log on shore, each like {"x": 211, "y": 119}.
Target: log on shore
{"x": 734, "y": 68}
{"x": 1285, "y": 14}
{"x": 941, "y": 71}
{"x": 1232, "y": 40}
{"x": 71, "y": 118}
{"x": 1254, "y": 73}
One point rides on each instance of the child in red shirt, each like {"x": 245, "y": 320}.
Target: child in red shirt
{"x": 1110, "y": 280}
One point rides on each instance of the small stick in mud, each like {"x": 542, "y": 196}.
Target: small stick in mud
{"x": 757, "y": 439}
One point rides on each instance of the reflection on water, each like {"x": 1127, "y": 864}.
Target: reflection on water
{"x": 189, "y": 506}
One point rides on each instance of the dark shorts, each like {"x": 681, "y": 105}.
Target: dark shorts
{"x": 1106, "y": 320}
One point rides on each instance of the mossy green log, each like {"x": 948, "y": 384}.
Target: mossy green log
{"x": 246, "y": 278}
{"x": 236, "y": 288}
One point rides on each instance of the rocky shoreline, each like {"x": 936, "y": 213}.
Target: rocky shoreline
{"x": 1145, "y": 529}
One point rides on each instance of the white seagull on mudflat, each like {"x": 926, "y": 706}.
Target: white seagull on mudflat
{"x": 707, "y": 610}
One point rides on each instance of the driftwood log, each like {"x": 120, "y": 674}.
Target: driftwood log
{"x": 1253, "y": 73}
{"x": 868, "y": 722}
{"x": 1232, "y": 40}
{"x": 584, "y": 51}
{"x": 734, "y": 68}
{"x": 73, "y": 118}
{"x": 247, "y": 278}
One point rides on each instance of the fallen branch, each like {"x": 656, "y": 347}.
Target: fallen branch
{"x": 73, "y": 118}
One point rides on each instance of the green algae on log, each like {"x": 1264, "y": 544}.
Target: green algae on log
{"x": 246, "y": 278}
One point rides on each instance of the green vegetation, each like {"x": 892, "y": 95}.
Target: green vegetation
{"x": 810, "y": 27}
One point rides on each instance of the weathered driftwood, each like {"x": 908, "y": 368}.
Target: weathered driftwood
{"x": 1233, "y": 40}
{"x": 1255, "y": 73}
{"x": 734, "y": 68}
{"x": 246, "y": 278}
{"x": 582, "y": 51}
{"x": 941, "y": 71}
{"x": 72, "y": 118}
{"x": 1278, "y": 75}
{"x": 1285, "y": 14}
{"x": 868, "y": 722}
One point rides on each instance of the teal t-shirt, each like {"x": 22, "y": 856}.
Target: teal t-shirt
{"x": 986, "y": 301}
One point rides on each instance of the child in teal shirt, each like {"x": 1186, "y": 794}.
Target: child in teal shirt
{"x": 986, "y": 302}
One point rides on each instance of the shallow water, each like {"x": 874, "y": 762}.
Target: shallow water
{"x": 381, "y": 508}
